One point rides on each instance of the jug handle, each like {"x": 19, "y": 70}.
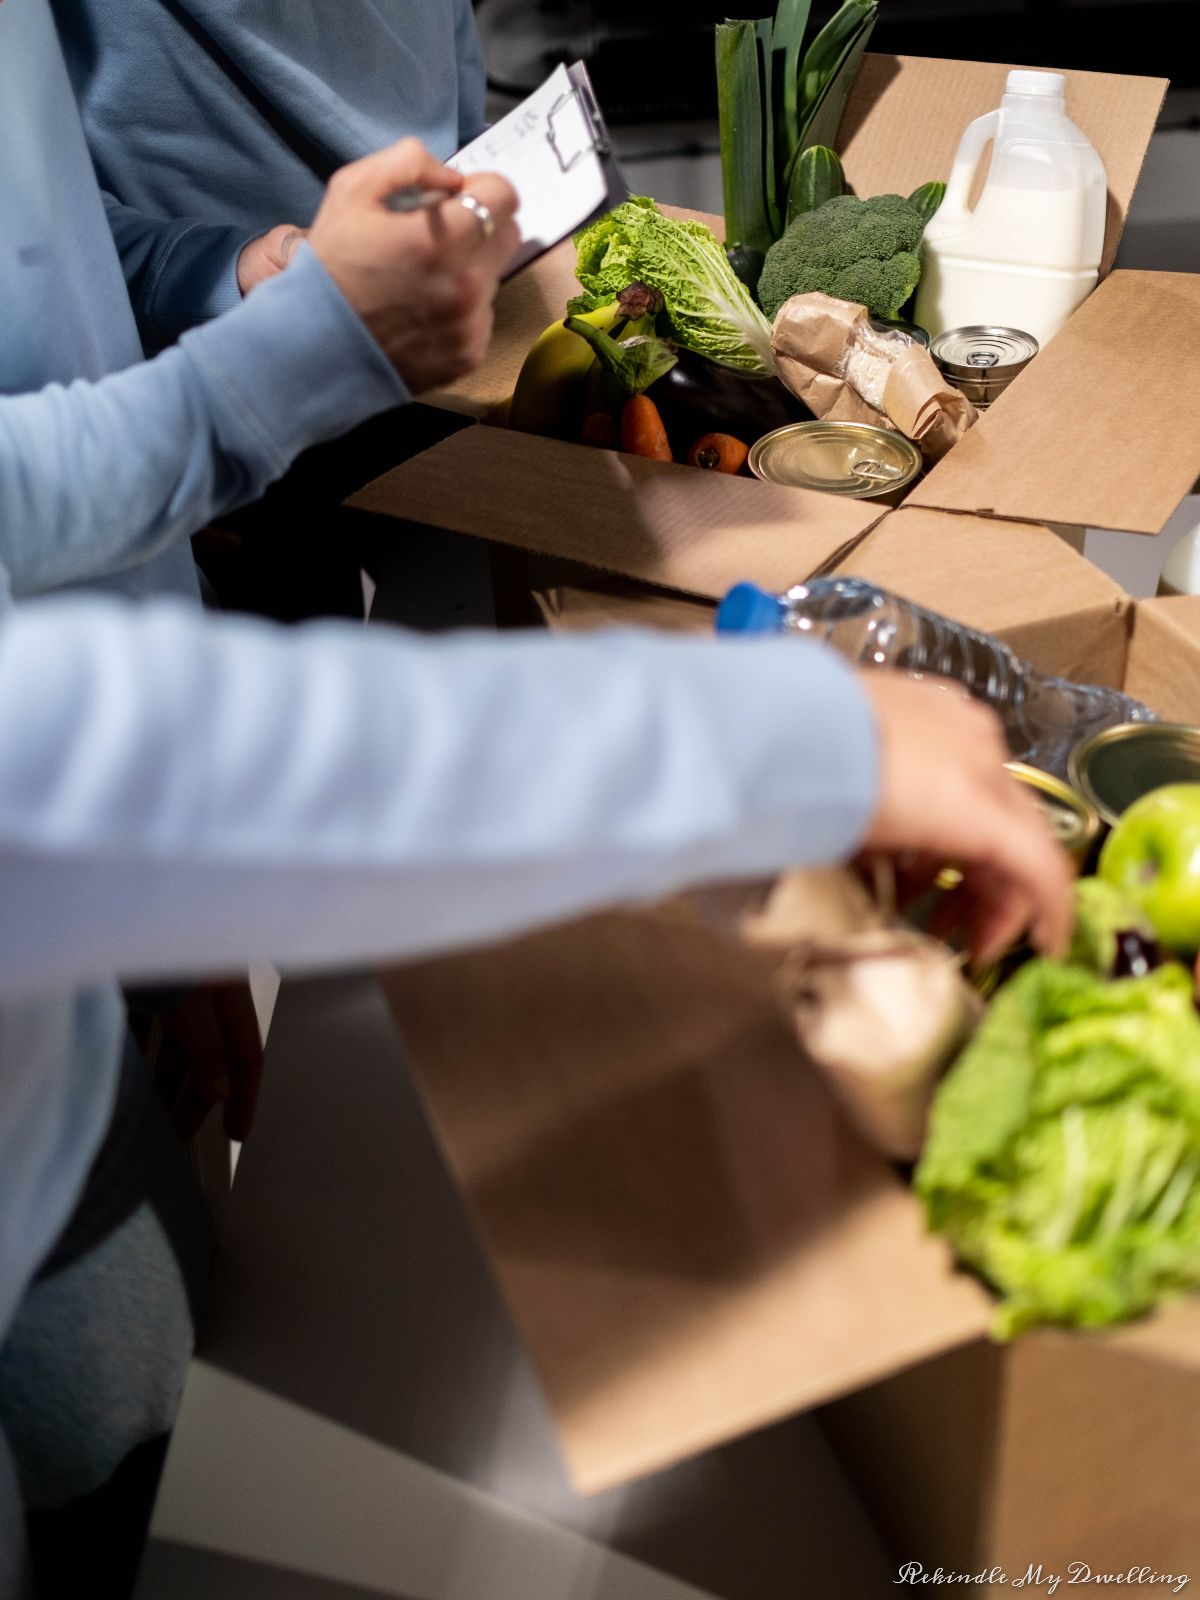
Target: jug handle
{"x": 953, "y": 208}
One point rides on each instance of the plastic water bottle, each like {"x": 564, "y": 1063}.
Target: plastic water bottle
{"x": 1043, "y": 717}
{"x": 1029, "y": 251}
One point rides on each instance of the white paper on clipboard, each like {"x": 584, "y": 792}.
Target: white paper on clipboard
{"x": 554, "y": 150}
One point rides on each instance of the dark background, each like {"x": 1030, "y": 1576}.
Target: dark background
{"x": 652, "y": 60}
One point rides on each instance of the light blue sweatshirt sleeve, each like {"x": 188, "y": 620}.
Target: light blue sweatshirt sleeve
{"x": 96, "y": 476}
{"x": 472, "y": 77}
{"x": 184, "y": 795}
{"x": 178, "y": 273}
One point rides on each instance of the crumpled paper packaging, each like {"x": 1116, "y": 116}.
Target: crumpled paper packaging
{"x": 844, "y": 370}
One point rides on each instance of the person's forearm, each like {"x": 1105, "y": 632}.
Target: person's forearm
{"x": 191, "y": 795}
{"x": 96, "y": 477}
{"x": 178, "y": 273}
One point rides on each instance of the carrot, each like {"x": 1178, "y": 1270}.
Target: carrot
{"x": 718, "y": 452}
{"x": 599, "y": 429}
{"x": 642, "y": 431}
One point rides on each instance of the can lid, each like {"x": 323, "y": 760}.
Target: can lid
{"x": 749, "y": 609}
{"x": 1050, "y": 84}
{"x": 983, "y": 352}
{"x": 1073, "y": 818}
{"x": 850, "y": 458}
{"x": 1119, "y": 765}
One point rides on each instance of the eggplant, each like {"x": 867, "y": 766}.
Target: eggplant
{"x": 700, "y": 396}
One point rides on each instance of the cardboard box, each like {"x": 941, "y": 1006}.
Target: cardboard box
{"x": 1094, "y": 433}
{"x": 693, "y": 1243}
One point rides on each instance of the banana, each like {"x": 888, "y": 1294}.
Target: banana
{"x": 549, "y": 387}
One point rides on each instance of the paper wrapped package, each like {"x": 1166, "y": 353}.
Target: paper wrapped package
{"x": 846, "y": 369}
{"x": 880, "y": 1010}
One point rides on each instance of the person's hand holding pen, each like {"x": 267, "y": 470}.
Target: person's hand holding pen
{"x": 422, "y": 277}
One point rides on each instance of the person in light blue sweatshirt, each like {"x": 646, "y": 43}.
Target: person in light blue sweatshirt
{"x": 179, "y": 795}
{"x": 236, "y": 112}
{"x": 233, "y": 113}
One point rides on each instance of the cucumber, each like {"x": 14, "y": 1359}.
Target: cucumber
{"x": 927, "y": 199}
{"x": 816, "y": 177}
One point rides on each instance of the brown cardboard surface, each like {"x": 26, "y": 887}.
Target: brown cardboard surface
{"x": 1013, "y": 579}
{"x": 1010, "y": 578}
{"x": 907, "y": 113}
{"x": 699, "y": 532}
{"x": 1164, "y": 657}
{"x": 1100, "y": 430}
{"x": 690, "y": 1240}
{"x": 615, "y": 603}
{"x": 1062, "y": 1448}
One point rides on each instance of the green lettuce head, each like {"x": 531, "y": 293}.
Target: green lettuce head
{"x": 708, "y": 307}
{"x": 1064, "y": 1146}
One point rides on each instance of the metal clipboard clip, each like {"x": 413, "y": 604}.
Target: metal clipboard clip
{"x": 585, "y": 101}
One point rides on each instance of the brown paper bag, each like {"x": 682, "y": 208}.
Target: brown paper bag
{"x": 845, "y": 370}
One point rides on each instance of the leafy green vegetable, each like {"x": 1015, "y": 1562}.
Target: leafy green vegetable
{"x": 1064, "y": 1146}
{"x": 774, "y": 100}
{"x": 627, "y": 368}
{"x": 816, "y": 177}
{"x": 749, "y": 218}
{"x": 1101, "y": 913}
{"x": 860, "y": 250}
{"x": 830, "y": 67}
{"x": 706, "y": 305}
{"x": 928, "y": 198}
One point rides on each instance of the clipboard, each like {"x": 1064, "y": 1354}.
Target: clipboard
{"x": 555, "y": 149}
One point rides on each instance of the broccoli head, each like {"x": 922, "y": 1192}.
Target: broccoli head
{"x": 861, "y": 250}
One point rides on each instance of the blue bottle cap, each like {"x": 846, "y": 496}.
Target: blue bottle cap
{"x": 749, "y": 609}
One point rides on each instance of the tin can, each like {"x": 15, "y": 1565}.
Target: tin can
{"x": 1119, "y": 765}
{"x": 898, "y": 325}
{"x": 983, "y": 361}
{"x": 847, "y": 458}
{"x": 1074, "y": 819}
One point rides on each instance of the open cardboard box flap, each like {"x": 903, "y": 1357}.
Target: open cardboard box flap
{"x": 1051, "y": 605}
{"x": 1102, "y": 429}
{"x": 1020, "y": 581}
{"x": 691, "y": 1242}
{"x": 1164, "y": 657}
{"x": 697, "y": 532}
{"x": 906, "y": 115}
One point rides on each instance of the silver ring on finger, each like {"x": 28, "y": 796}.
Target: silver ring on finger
{"x": 481, "y": 213}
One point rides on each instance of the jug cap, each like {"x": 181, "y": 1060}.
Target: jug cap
{"x": 1049, "y": 84}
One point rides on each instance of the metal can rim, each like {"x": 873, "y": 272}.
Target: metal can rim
{"x": 1006, "y": 370}
{"x": 822, "y": 426}
{"x": 1079, "y": 760}
{"x": 1069, "y": 796}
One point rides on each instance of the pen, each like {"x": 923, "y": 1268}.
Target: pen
{"x": 412, "y": 198}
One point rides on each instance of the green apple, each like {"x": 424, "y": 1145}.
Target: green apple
{"x": 1153, "y": 856}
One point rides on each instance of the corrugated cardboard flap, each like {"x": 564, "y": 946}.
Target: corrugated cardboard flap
{"x": 698, "y": 532}
{"x": 1014, "y": 579}
{"x": 1102, "y": 430}
{"x": 906, "y": 115}
{"x": 1164, "y": 657}
{"x": 689, "y": 1239}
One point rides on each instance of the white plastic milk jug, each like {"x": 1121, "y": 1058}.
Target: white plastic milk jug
{"x": 1029, "y": 251}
